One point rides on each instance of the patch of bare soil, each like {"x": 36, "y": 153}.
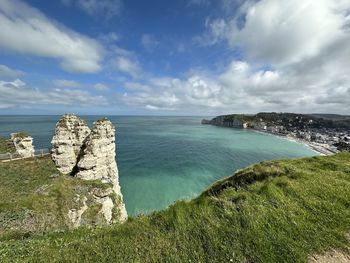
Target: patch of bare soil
{"x": 332, "y": 256}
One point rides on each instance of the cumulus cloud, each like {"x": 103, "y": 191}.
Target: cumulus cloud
{"x": 109, "y": 38}
{"x": 151, "y": 107}
{"x": 135, "y": 86}
{"x": 106, "y": 8}
{"x": 101, "y": 87}
{"x": 6, "y": 72}
{"x": 25, "y": 30}
{"x": 282, "y": 32}
{"x": 65, "y": 83}
{"x": 241, "y": 87}
{"x": 296, "y": 58}
{"x": 173, "y": 94}
{"x": 16, "y": 93}
{"x": 127, "y": 65}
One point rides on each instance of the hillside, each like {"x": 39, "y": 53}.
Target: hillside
{"x": 275, "y": 211}
{"x": 294, "y": 120}
{"x": 6, "y": 146}
{"x": 36, "y": 198}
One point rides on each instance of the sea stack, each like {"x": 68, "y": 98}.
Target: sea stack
{"x": 97, "y": 162}
{"x": 24, "y": 144}
{"x": 90, "y": 155}
{"x": 70, "y": 134}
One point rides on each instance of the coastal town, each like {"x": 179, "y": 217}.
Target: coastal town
{"x": 324, "y": 133}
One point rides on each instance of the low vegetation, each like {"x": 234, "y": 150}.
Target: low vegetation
{"x": 21, "y": 135}
{"x": 6, "y": 146}
{"x": 276, "y": 211}
{"x": 35, "y": 198}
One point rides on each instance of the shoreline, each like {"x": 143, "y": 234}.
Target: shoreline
{"x": 316, "y": 147}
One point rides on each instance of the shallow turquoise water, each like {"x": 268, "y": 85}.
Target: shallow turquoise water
{"x": 164, "y": 159}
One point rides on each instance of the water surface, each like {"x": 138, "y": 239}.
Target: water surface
{"x": 164, "y": 159}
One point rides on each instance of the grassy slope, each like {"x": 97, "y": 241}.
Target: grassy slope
{"x": 35, "y": 198}
{"x": 6, "y": 146}
{"x": 279, "y": 211}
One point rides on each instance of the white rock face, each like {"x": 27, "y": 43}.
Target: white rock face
{"x": 90, "y": 155}
{"x": 97, "y": 162}
{"x": 107, "y": 204}
{"x": 70, "y": 133}
{"x": 74, "y": 215}
{"x": 23, "y": 144}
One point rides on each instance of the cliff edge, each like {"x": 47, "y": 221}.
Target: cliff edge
{"x": 275, "y": 211}
{"x": 90, "y": 155}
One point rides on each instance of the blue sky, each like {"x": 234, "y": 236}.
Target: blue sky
{"x": 195, "y": 57}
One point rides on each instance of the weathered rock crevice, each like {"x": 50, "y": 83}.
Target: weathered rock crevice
{"x": 70, "y": 134}
{"x": 90, "y": 155}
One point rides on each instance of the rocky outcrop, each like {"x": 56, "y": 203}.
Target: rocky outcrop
{"x": 90, "y": 155}
{"x": 97, "y": 162}
{"x": 70, "y": 134}
{"x": 23, "y": 144}
{"x": 74, "y": 214}
{"x": 235, "y": 121}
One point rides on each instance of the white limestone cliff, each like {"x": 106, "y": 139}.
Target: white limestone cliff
{"x": 70, "y": 133}
{"x": 97, "y": 162}
{"x": 90, "y": 155}
{"x": 23, "y": 144}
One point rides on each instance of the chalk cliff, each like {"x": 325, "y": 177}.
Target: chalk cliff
{"x": 70, "y": 133}
{"x": 97, "y": 162}
{"x": 23, "y": 144}
{"x": 235, "y": 121}
{"x": 90, "y": 155}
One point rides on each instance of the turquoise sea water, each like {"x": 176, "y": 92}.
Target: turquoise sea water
{"x": 164, "y": 159}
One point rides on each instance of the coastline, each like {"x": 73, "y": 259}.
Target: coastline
{"x": 316, "y": 147}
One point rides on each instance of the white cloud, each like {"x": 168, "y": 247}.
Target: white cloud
{"x": 25, "y": 30}
{"x": 18, "y": 94}
{"x": 200, "y": 89}
{"x": 127, "y": 65}
{"x": 173, "y": 94}
{"x": 109, "y": 38}
{"x": 6, "y": 72}
{"x": 282, "y": 32}
{"x": 241, "y": 87}
{"x": 297, "y": 58}
{"x": 64, "y": 83}
{"x": 106, "y": 8}
{"x": 151, "y": 107}
{"x": 149, "y": 42}
{"x": 156, "y": 98}
{"x": 101, "y": 87}
{"x": 134, "y": 86}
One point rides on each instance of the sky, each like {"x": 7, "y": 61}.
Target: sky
{"x": 156, "y": 57}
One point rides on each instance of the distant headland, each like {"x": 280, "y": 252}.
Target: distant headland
{"x": 324, "y": 133}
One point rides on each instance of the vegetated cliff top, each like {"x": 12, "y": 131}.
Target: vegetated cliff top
{"x": 21, "y": 135}
{"x": 35, "y": 199}
{"x": 297, "y": 119}
{"x": 275, "y": 211}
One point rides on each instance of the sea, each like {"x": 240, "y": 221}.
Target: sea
{"x": 165, "y": 159}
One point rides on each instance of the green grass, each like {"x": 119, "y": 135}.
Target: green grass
{"x": 277, "y": 211}
{"x": 21, "y": 135}
{"x": 6, "y": 146}
{"x": 35, "y": 198}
